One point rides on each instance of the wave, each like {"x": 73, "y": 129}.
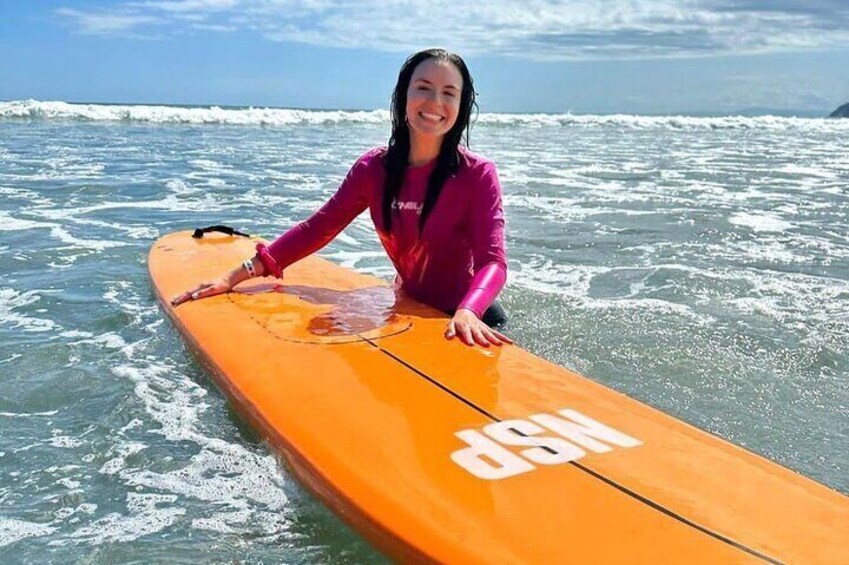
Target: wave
{"x": 163, "y": 114}
{"x": 138, "y": 113}
{"x": 629, "y": 121}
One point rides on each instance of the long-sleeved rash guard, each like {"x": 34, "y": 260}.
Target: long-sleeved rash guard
{"x": 459, "y": 259}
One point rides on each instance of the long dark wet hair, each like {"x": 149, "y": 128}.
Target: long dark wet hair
{"x": 398, "y": 151}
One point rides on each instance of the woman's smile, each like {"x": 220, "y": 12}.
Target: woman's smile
{"x": 431, "y": 117}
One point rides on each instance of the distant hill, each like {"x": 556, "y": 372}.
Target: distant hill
{"x": 842, "y": 112}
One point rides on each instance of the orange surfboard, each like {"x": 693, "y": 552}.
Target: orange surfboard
{"x": 440, "y": 452}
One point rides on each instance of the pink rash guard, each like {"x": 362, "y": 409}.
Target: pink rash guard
{"x": 459, "y": 260}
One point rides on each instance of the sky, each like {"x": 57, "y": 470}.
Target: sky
{"x": 589, "y": 56}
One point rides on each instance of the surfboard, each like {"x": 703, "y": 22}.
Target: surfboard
{"x": 440, "y": 452}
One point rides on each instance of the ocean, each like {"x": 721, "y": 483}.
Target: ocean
{"x": 698, "y": 264}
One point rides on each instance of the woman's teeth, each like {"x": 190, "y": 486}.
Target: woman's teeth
{"x": 431, "y": 117}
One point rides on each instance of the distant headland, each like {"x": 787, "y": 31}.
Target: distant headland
{"x": 842, "y": 112}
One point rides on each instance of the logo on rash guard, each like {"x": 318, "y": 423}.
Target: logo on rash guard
{"x": 415, "y": 206}
{"x": 486, "y": 456}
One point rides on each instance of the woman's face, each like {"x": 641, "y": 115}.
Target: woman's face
{"x": 433, "y": 98}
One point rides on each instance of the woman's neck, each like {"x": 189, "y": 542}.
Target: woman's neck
{"x": 423, "y": 151}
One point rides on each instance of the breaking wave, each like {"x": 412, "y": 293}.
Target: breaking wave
{"x": 164, "y": 114}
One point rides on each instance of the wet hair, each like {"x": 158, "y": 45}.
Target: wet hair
{"x": 398, "y": 150}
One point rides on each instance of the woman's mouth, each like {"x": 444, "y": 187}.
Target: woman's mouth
{"x": 427, "y": 116}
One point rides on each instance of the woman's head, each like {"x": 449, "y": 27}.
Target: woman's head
{"x": 434, "y": 95}
{"x": 425, "y": 102}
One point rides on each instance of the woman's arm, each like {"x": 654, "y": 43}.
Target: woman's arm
{"x": 307, "y": 237}
{"x": 314, "y": 233}
{"x": 486, "y": 236}
{"x": 486, "y": 233}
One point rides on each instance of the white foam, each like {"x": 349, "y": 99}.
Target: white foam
{"x": 811, "y": 172}
{"x": 70, "y": 215}
{"x": 575, "y": 282}
{"x": 65, "y": 237}
{"x": 69, "y": 483}
{"x": 767, "y": 251}
{"x": 664, "y": 122}
{"x": 147, "y": 233}
{"x": 760, "y": 222}
{"x": 811, "y": 304}
{"x": 144, "y": 517}
{"x": 223, "y": 523}
{"x": 552, "y": 207}
{"x": 28, "y": 414}
{"x": 65, "y": 442}
{"x": 11, "y": 300}
{"x": 58, "y": 110}
{"x": 50, "y": 110}
{"x": 76, "y": 333}
{"x": 121, "y": 451}
{"x": 179, "y": 187}
{"x": 63, "y": 513}
{"x": 109, "y": 340}
{"x": 31, "y": 197}
{"x": 351, "y": 259}
{"x": 12, "y": 530}
{"x": 222, "y": 472}
{"x": 11, "y": 223}
{"x": 543, "y": 275}
{"x": 67, "y": 168}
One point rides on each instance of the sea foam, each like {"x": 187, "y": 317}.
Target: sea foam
{"x": 164, "y": 114}
{"x": 53, "y": 110}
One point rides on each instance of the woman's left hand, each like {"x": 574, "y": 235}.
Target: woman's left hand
{"x": 471, "y": 330}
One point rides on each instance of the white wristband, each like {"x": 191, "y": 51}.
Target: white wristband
{"x": 249, "y": 267}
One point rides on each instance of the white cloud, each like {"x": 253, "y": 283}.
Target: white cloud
{"x": 107, "y": 22}
{"x": 537, "y": 29}
{"x": 181, "y": 6}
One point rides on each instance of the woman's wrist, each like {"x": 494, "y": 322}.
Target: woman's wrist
{"x": 247, "y": 270}
{"x": 472, "y": 311}
{"x": 259, "y": 266}
{"x": 269, "y": 263}
{"x": 236, "y": 276}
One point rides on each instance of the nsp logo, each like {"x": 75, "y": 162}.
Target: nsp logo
{"x": 487, "y": 458}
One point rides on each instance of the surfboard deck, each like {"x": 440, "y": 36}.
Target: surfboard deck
{"x": 440, "y": 452}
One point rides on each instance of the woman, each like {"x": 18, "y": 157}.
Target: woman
{"x": 436, "y": 206}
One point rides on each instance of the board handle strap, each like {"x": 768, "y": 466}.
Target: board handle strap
{"x": 199, "y": 232}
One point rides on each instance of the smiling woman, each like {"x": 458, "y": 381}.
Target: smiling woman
{"x": 435, "y": 204}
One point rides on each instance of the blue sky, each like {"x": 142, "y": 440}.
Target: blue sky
{"x": 590, "y": 56}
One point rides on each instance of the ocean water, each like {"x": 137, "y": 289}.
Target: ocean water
{"x": 700, "y": 265}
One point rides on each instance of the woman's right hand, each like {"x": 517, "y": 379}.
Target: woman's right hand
{"x": 204, "y": 290}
